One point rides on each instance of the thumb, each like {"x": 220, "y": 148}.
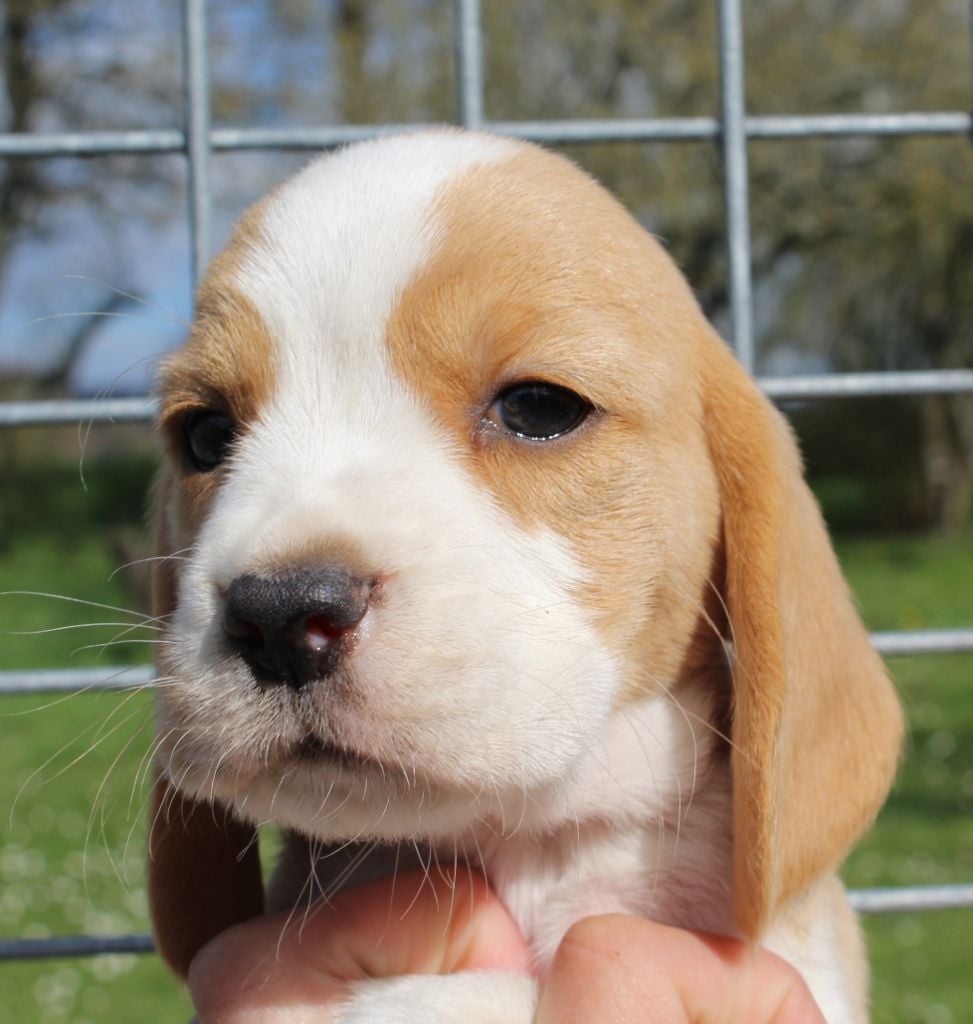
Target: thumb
{"x": 290, "y": 967}
{"x": 630, "y": 971}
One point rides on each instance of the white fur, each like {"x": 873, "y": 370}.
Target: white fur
{"x": 470, "y": 998}
{"x": 481, "y": 689}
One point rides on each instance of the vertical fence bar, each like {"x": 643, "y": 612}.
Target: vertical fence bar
{"x": 197, "y": 119}
{"x": 734, "y": 138}
{"x": 468, "y": 49}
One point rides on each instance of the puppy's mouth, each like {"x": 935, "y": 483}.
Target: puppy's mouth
{"x": 313, "y": 749}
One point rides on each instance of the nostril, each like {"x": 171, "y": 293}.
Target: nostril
{"x": 320, "y": 631}
{"x": 242, "y": 629}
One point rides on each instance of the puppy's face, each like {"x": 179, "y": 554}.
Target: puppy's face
{"x": 437, "y": 490}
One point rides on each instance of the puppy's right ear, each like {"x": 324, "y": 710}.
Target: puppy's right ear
{"x": 203, "y": 864}
{"x": 204, "y": 874}
{"x": 817, "y": 726}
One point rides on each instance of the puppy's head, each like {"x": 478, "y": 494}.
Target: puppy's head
{"x": 454, "y": 465}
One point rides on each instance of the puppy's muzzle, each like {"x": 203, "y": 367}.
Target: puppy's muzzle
{"x": 294, "y": 626}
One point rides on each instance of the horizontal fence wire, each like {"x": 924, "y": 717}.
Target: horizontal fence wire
{"x": 45, "y": 681}
{"x": 564, "y": 132}
{"x": 807, "y": 387}
{"x": 74, "y": 946}
{"x": 73, "y": 680}
{"x": 911, "y": 898}
{"x": 68, "y": 411}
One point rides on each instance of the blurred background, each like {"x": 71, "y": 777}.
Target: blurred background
{"x": 862, "y": 260}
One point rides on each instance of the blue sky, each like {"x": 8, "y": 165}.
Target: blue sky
{"x": 121, "y": 222}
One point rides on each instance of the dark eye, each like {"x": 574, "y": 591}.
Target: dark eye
{"x": 208, "y": 435}
{"x": 538, "y": 411}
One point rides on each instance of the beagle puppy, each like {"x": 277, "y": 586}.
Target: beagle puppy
{"x": 491, "y": 552}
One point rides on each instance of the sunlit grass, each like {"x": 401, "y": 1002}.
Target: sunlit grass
{"x": 72, "y": 832}
{"x": 71, "y": 860}
{"x": 924, "y": 835}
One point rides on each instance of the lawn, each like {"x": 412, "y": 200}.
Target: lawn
{"x": 925, "y": 833}
{"x": 71, "y": 798}
{"x": 71, "y": 819}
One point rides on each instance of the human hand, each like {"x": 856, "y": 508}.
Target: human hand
{"x": 611, "y": 968}
{"x": 294, "y": 968}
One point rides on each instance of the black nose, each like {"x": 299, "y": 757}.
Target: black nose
{"x": 293, "y": 626}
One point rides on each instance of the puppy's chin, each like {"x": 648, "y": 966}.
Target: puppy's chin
{"x": 334, "y": 794}
{"x": 644, "y": 762}
{"x": 324, "y": 765}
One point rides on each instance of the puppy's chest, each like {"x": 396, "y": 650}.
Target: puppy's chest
{"x": 679, "y": 877}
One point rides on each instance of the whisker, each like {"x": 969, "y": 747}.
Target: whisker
{"x": 177, "y": 556}
{"x": 81, "y": 314}
{"x": 102, "y": 788}
{"x": 81, "y": 600}
{"x": 41, "y": 767}
{"x": 165, "y": 314}
{"x": 117, "y": 642}
{"x": 327, "y": 896}
{"x": 395, "y": 878}
{"x": 425, "y": 878}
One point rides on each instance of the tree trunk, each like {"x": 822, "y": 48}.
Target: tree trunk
{"x": 352, "y": 33}
{"x": 947, "y": 459}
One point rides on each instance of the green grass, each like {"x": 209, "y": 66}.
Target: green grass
{"x": 71, "y": 859}
{"x": 925, "y": 833}
{"x": 71, "y": 847}
{"x": 71, "y": 821}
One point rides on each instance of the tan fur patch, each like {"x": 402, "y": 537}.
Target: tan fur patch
{"x": 227, "y": 364}
{"x": 540, "y": 274}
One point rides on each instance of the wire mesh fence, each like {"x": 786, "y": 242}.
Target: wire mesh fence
{"x": 733, "y": 129}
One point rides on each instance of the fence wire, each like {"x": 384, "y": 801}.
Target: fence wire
{"x": 734, "y": 129}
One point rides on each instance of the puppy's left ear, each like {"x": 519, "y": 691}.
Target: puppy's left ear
{"x": 816, "y": 724}
{"x": 203, "y": 864}
{"x": 204, "y": 874}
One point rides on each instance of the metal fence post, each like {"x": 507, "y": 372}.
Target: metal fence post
{"x": 735, "y": 185}
{"x": 197, "y": 117}
{"x": 468, "y": 49}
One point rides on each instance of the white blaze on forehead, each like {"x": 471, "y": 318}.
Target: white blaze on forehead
{"x": 338, "y": 244}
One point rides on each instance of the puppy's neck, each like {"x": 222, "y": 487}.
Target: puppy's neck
{"x": 642, "y": 828}
{"x": 645, "y": 825}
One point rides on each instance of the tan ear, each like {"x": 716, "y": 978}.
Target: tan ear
{"x": 816, "y": 723}
{"x": 203, "y": 864}
{"x": 204, "y": 874}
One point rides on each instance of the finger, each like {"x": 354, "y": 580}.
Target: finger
{"x": 274, "y": 968}
{"x": 632, "y": 971}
